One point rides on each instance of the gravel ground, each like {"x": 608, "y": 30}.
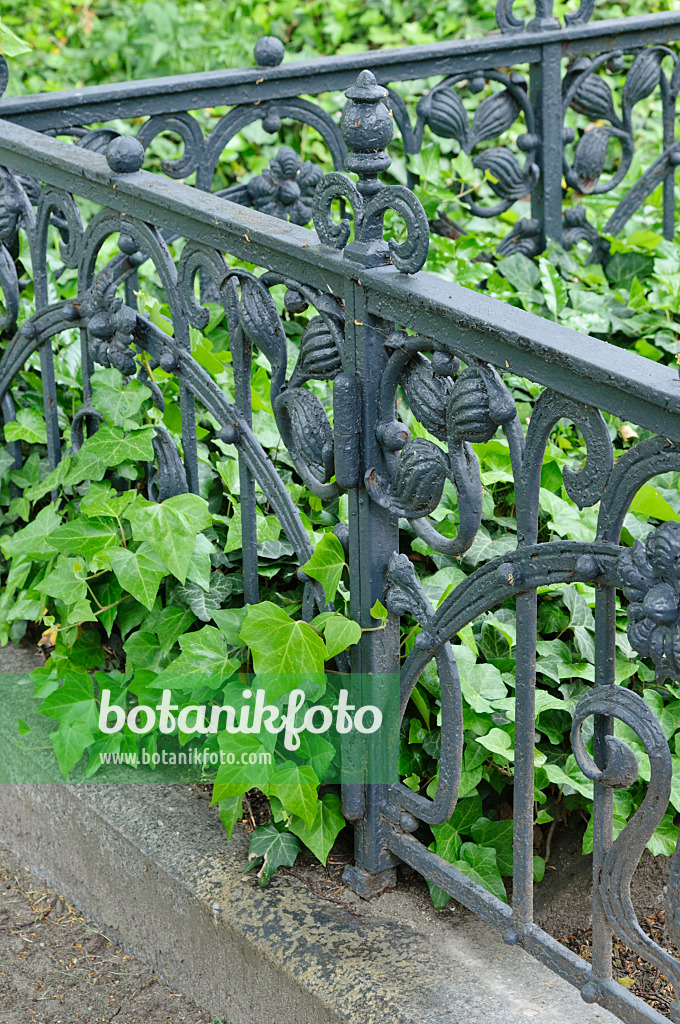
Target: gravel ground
{"x": 56, "y": 967}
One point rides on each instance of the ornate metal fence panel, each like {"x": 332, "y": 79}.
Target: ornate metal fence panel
{"x": 381, "y": 326}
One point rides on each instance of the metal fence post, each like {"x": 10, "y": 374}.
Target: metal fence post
{"x": 373, "y": 530}
{"x": 545, "y": 91}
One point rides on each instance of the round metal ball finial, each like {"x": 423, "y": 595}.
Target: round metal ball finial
{"x": 268, "y": 52}
{"x": 125, "y": 155}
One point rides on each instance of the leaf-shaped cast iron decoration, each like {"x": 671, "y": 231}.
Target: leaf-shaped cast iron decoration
{"x": 511, "y": 182}
{"x": 418, "y": 482}
{"x": 169, "y": 477}
{"x": 479, "y": 402}
{"x": 650, "y": 579}
{"x": 447, "y": 117}
{"x": 643, "y": 77}
{"x": 262, "y": 324}
{"x": 427, "y": 394}
{"x": 493, "y": 116}
{"x": 590, "y": 156}
{"x": 524, "y": 238}
{"x": 306, "y": 432}
{"x": 594, "y": 99}
{"x": 319, "y": 357}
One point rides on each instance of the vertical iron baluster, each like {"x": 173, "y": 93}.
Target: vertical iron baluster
{"x": 545, "y": 90}
{"x": 242, "y": 356}
{"x": 603, "y": 796}
{"x": 49, "y": 386}
{"x": 373, "y": 537}
{"x": 523, "y": 789}
{"x": 50, "y": 406}
{"x": 131, "y": 289}
{"x": 668, "y": 102}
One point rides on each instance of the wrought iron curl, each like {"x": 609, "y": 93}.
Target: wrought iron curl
{"x": 189, "y": 131}
{"x": 585, "y": 486}
{"x": 619, "y": 772}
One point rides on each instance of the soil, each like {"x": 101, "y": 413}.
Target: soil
{"x": 631, "y": 970}
{"x": 58, "y": 968}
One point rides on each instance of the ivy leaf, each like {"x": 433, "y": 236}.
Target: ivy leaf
{"x": 29, "y": 426}
{"x": 296, "y": 786}
{"x": 521, "y": 272}
{"x": 498, "y": 742}
{"x": 108, "y": 593}
{"x": 324, "y": 830}
{"x": 112, "y": 446}
{"x": 317, "y": 752}
{"x": 466, "y": 813}
{"x": 326, "y": 564}
{"x": 481, "y": 684}
{"x": 498, "y": 835}
{"x": 10, "y": 44}
{"x": 118, "y": 403}
{"x": 570, "y": 776}
{"x": 70, "y": 741}
{"x": 204, "y": 661}
{"x": 228, "y": 621}
{"x": 170, "y": 527}
{"x": 33, "y": 541}
{"x": 85, "y": 537}
{"x": 479, "y": 864}
{"x": 448, "y": 841}
{"x": 282, "y": 648}
{"x": 240, "y": 776}
{"x": 52, "y": 482}
{"x": 200, "y": 566}
{"x": 379, "y": 611}
{"x": 230, "y": 811}
{"x": 84, "y": 466}
{"x": 139, "y": 572}
{"x": 73, "y": 701}
{"x": 665, "y": 838}
{"x": 539, "y": 869}
{"x": 649, "y": 502}
{"x": 143, "y": 651}
{"x": 63, "y": 583}
{"x": 623, "y": 267}
{"x": 102, "y": 500}
{"x": 204, "y": 603}
{"x": 339, "y": 633}
{"x": 172, "y": 623}
{"x": 273, "y": 848}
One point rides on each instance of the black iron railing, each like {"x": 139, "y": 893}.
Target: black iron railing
{"x": 383, "y": 324}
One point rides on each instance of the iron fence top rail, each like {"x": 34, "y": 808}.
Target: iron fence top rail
{"x": 232, "y": 86}
{"x": 475, "y": 325}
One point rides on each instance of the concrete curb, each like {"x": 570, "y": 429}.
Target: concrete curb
{"x": 150, "y": 865}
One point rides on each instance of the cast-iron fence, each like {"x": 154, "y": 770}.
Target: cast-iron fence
{"x": 383, "y": 325}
